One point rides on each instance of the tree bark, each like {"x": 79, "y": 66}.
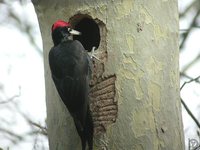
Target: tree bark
{"x": 139, "y": 42}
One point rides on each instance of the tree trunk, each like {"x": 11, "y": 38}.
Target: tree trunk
{"x": 135, "y": 87}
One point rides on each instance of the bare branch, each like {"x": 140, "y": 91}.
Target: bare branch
{"x": 185, "y": 75}
{"x": 184, "y": 104}
{"x": 190, "y": 113}
{"x": 192, "y": 5}
{"x": 9, "y": 100}
{"x": 186, "y": 30}
{"x": 12, "y": 134}
{"x": 195, "y": 79}
{"x": 191, "y": 63}
{"x": 43, "y": 130}
{"x": 186, "y": 34}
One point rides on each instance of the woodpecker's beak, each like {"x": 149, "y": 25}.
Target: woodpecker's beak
{"x": 74, "y": 32}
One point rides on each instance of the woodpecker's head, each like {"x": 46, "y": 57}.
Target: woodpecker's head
{"x": 62, "y": 30}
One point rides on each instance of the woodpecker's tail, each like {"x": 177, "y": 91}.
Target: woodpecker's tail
{"x": 89, "y": 130}
{"x": 85, "y": 132}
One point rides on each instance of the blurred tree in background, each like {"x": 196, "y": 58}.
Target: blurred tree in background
{"x": 18, "y": 19}
{"x": 18, "y": 129}
{"x": 14, "y": 15}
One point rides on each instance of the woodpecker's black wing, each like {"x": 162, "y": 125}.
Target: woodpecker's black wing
{"x": 70, "y": 70}
{"x": 69, "y": 66}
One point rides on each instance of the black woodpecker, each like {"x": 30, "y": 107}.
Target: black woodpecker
{"x": 71, "y": 71}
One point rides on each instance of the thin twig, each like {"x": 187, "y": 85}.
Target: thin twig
{"x": 195, "y": 60}
{"x": 185, "y": 106}
{"x": 43, "y": 129}
{"x": 187, "y": 76}
{"x": 9, "y": 100}
{"x": 190, "y": 113}
{"x": 188, "y": 8}
{"x": 186, "y": 82}
{"x": 185, "y": 35}
{"x": 12, "y": 134}
{"x": 192, "y": 5}
{"x": 186, "y": 30}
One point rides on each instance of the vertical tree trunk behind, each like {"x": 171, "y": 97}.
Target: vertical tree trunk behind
{"x": 140, "y": 40}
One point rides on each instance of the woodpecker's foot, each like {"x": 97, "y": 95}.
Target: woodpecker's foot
{"x": 94, "y": 54}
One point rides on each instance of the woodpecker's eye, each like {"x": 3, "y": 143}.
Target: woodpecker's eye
{"x": 69, "y": 29}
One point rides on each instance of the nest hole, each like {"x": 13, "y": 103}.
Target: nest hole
{"x": 90, "y": 33}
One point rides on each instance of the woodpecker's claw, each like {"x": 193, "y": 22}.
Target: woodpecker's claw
{"x": 93, "y": 54}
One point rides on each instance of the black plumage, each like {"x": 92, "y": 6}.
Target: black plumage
{"x": 70, "y": 68}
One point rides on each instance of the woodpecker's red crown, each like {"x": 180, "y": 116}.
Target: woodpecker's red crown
{"x": 60, "y": 23}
